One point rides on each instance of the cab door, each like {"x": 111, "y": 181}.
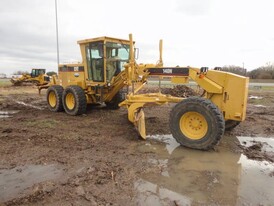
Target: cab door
{"x": 95, "y": 61}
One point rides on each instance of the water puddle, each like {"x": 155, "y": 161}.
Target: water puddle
{"x": 152, "y": 194}
{"x": 28, "y": 105}
{"x": 255, "y": 97}
{"x": 193, "y": 177}
{"x": 260, "y": 105}
{"x": 267, "y": 144}
{"x": 16, "y": 181}
{"x": 6, "y": 114}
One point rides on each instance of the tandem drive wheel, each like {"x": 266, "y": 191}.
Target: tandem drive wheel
{"x": 197, "y": 123}
{"x": 54, "y": 98}
{"x": 74, "y": 100}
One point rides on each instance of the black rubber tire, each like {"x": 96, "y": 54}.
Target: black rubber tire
{"x": 211, "y": 113}
{"x": 80, "y": 100}
{"x": 58, "y": 91}
{"x": 231, "y": 124}
{"x": 116, "y": 100}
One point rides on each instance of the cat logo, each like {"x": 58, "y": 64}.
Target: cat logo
{"x": 167, "y": 71}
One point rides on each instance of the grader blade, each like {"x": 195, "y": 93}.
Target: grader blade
{"x": 139, "y": 122}
{"x": 136, "y": 115}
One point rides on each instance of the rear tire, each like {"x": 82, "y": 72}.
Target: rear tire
{"x": 54, "y": 98}
{"x": 197, "y": 123}
{"x": 74, "y": 100}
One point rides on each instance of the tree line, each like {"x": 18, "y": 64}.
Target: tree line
{"x": 27, "y": 72}
{"x": 263, "y": 72}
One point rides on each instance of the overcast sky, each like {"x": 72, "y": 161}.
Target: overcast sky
{"x": 195, "y": 32}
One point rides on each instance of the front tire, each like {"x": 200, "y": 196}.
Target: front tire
{"x": 54, "y": 98}
{"x": 74, "y": 100}
{"x": 197, "y": 123}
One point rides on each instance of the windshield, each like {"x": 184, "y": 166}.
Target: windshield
{"x": 116, "y": 55}
{"x": 118, "y": 51}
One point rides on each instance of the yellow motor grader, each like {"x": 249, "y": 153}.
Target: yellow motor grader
{"x": 37, "y": 77}
{"x": 108, "y": 65}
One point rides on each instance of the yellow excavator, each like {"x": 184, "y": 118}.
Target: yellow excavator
{"x": 37, "y": 77}
{"x": 108, "y": 65}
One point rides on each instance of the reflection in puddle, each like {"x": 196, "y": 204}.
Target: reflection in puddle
{"x": 196, "y": 177}
{"x": 14, "y": 182}
{"x": 256, "y": 184}
{"x": 152, "y": 194}
{"x": 6, "y": 114}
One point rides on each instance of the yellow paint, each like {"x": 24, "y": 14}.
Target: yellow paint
{"x": 70, "y": 101}
{"x": 38, "y": 80}
{"x": 179, "y": 80}
{"x": 140, "y": 123}
{"x": 232, "y": 101}
{"x": 132, "y": 109}
{"x": 227, "y": 91}
{"x": 193, "y": 125}
{"x": 52, "y": 99}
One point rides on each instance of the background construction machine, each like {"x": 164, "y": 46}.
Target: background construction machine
{"x": 37, "y": 77}
{"x": 109, "y": 64}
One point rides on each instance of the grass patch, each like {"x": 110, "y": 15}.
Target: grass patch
{"x": 258, "y": 101}
{"x": 262, "y": 80}
{"x": 45, "y": 123}
{"x": 5, "y": 82}
{"x": 262, "y": 89}
{"x": 268, "y": 88}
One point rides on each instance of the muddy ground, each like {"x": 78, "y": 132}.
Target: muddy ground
{"x": 98, "y": 159}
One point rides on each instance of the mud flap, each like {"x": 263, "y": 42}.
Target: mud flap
{"x": 139, "y": 122}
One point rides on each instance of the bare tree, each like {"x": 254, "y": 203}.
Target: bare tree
{"x": 19, "y": 72}
{"x": 234, "y": 69}
{"x": 263, "y": 72}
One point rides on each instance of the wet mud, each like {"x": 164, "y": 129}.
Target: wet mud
{"x": 15, "y": 181}
{"x": 177, "y": 91}
{"x": 98, "y": 159}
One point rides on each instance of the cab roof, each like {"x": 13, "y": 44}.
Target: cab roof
{"x": 104, "y": 38}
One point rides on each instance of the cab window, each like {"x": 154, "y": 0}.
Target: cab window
{"x": 95, "y": 61}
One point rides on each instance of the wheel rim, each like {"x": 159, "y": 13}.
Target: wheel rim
{"x": 70, "y": 101}
{"x": 52, "y": 99}
{"x": 193, "y": 125}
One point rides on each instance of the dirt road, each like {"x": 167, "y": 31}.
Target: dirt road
{"x": 97, "y": 158}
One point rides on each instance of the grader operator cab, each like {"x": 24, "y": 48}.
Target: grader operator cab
{"x": 37, "y": 77}
{"x": 108, "y": 65}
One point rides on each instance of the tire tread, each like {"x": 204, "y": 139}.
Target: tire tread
{"x": 218, "y": 118}
{"x": 80, "y": 98}
{"x": 58, "y": 90}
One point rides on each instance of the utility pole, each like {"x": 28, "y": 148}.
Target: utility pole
{"x": 244, "y": 68}
{"x": 57, "y": 38}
